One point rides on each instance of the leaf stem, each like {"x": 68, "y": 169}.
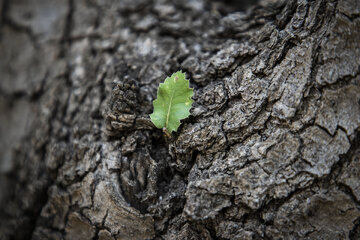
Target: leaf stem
{"x": 167, "y": 134}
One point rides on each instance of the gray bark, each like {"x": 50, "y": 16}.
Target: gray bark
{"x": 271, "y": 149}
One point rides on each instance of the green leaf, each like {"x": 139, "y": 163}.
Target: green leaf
{"x": 173, "y": 102}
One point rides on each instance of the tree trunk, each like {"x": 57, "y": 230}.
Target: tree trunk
{"x": 271, "y": 149}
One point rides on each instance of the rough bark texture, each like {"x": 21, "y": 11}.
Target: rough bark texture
{"x": 271, "y": 149}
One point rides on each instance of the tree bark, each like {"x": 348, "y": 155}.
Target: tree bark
{"x": 271, "y": 149}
